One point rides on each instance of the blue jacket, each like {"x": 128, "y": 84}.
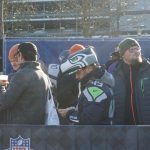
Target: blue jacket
{"x": 95, "y": 101}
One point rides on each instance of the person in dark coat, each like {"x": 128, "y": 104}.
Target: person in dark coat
{"x": 67, "y": 85}
{"x": 67, "y": 95}
{"x": 26, "y": 96}
{"x": 95, "y": 103}
{"x": 132, "y": 88}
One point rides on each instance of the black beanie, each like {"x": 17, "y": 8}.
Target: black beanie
{"x": 28, "y": 50}
{"x": 127, "y": 44}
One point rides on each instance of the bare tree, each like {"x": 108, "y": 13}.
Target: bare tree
{"x": 90, "y": 11}
{"x": 88, "y": 14}
{"x": 117, "y": 9}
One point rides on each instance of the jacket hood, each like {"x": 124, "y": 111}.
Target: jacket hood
{"x": 108, "y": 79}
{"x": 100, "y": 74}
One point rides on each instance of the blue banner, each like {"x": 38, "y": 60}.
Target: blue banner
{"x": 49, "y": 49}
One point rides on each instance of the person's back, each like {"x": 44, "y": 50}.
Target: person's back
{"x": 30, "y": 105}
{"x": 67, "y": 90}
{"x": 67, "y": 85}
{"x": 25, "y": 98}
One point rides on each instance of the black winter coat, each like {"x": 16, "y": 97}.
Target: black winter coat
{"x": 67, "y": 90}
{"x": 142, "y": 94}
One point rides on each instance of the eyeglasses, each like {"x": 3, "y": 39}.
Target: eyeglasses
{"x": 133, "y": 49}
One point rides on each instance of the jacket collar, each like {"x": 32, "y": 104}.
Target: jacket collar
{"x": 144, "y": 66}
{"x": 95, "y": 74}
{"x": 30, "y": 64}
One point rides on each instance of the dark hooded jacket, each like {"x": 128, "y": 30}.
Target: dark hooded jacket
{"x": 140, "y": 101}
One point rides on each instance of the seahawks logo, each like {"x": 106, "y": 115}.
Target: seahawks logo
{"x": 94, "y": 94}
{"x": 77, "y": 62}
{"x": 76, "y": 59}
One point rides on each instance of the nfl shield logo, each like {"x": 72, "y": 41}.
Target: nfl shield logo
{"x": 19, "y": 144}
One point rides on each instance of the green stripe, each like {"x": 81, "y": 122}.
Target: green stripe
{"x": 142, "y": 85}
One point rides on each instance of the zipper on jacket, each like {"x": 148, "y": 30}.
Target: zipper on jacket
{"x": 131, "y": 96}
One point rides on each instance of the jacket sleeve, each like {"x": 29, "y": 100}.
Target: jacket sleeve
{"x": 93, "y": 106}
{"x": 16, "y": 87}
{"x": 72, "y": 116}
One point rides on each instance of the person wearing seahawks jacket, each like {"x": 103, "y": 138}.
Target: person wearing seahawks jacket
{"x": 95, "y": 104}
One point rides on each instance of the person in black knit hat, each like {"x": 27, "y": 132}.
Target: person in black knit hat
{"x": 127, "y": 44}
{"x": 132, "y": 85}
{"x": 28, "y": 50}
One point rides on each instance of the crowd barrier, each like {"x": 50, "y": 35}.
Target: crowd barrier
{"x": 26, "y": 137}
